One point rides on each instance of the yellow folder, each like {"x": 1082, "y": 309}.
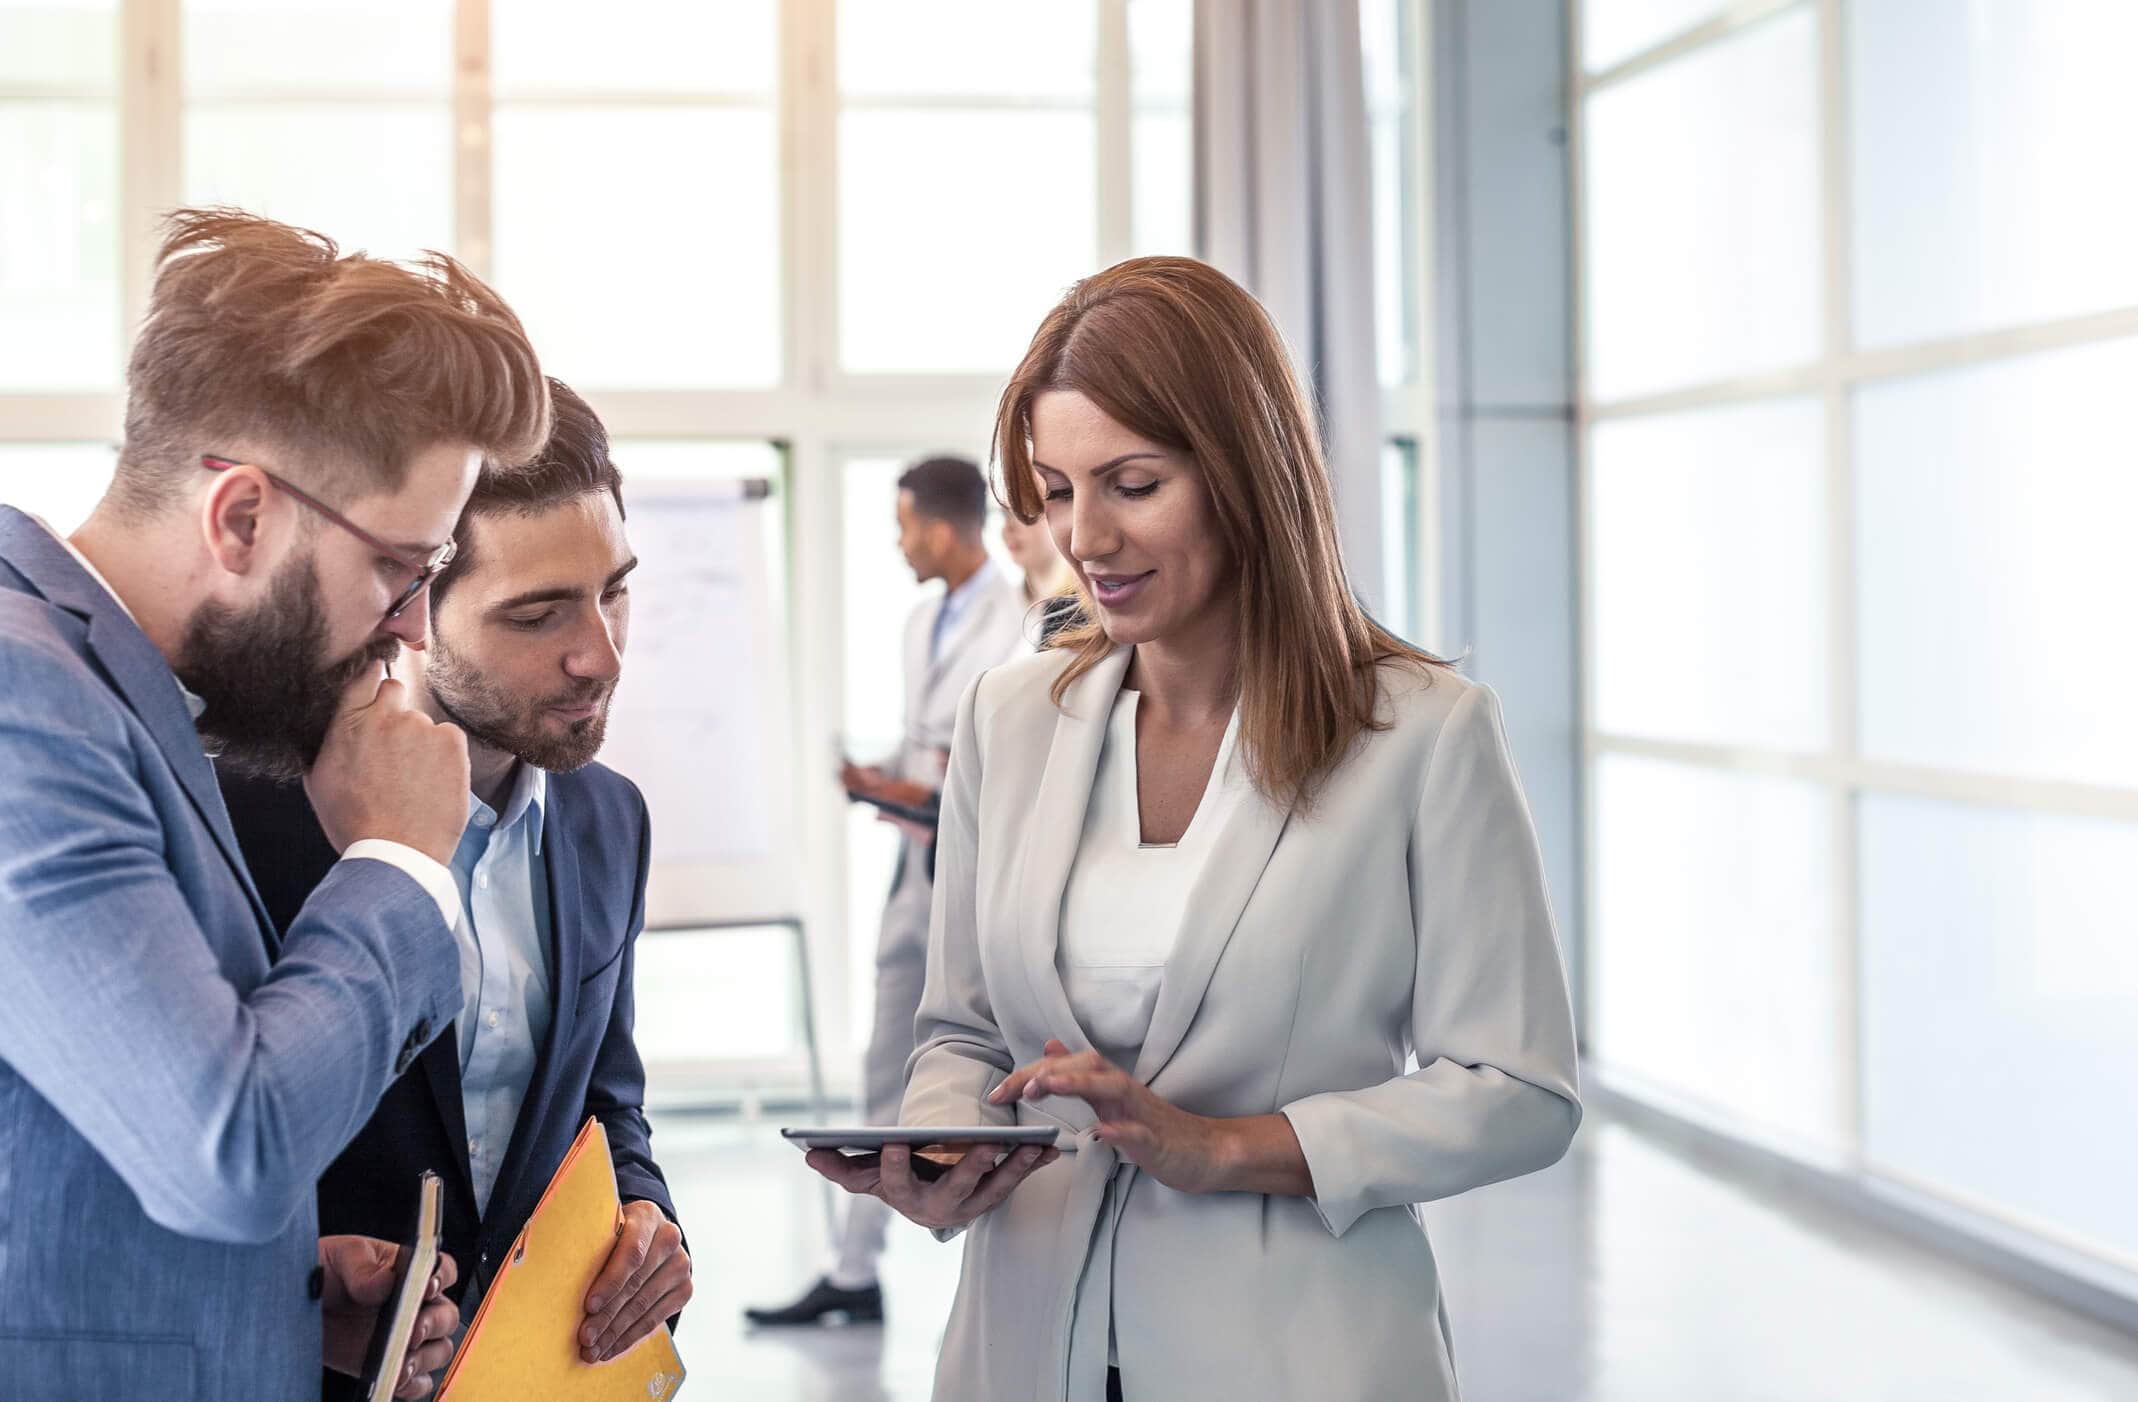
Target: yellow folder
{"x": 524, "y": 1343}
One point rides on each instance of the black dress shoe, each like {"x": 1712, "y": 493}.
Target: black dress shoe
{"x": 824, "y": 1299}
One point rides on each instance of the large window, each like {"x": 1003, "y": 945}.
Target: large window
{"x": 820, "y": 230}
{"x": 322, "y": 116}
{"x": 1859, "y": 313}
{"x": 59, "y": 195}
{"x": 635, "y": 188}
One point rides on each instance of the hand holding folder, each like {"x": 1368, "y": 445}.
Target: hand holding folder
{"x": 524, "y": 1343}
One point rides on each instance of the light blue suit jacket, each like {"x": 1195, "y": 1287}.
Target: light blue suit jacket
{"x": 173, "y": 1079}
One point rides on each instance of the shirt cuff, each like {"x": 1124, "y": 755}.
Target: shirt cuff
{"x": 426, "y": 872}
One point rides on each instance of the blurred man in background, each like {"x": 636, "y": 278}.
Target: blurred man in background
{"x": 950, "y": 639}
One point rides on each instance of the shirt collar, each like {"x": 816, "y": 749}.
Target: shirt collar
{"x": 194, "y": 704}
{"x": 528, "y": 799}
{"x": 955, "y": 602}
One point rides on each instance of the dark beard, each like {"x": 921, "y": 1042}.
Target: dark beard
{"x": 495, "y": 717}
{"x": 269, "y": 698}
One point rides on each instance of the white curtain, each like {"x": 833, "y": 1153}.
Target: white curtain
{"x": 1284, "y": 204}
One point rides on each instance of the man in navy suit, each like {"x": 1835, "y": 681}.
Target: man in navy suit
{"x": 302, "y": 429}
{"x": 527, "y": 640}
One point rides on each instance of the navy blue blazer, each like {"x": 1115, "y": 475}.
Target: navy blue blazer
{"x": 174, "y": 1076}
{"x": 595, "y": 849}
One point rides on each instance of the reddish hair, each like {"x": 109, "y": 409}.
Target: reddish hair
{"x": 1176, "y": 352}
{"x": 343, "y": 366}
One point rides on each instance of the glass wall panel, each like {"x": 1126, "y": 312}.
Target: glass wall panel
{"x": 59, "y": 245}
{"x": 375, "y": 176}
{"x": 662, "y": 282}
{"x": 676, "y": 47}
{"x": 1993, "y": 514}
{"x": 2000, "y": 1056}
{"x": 242, "y": 47}
{"x": 938, "y": 272}
{"x": 1708, "y": 575}
{"x": 1703, "y": 214}
{"x": 1713, "y": 972}
{"x": 321, "y": 116}
{"x": 1613, "y": 31}
{"x": 59, "y": 43}
{"x": 949, "y": 49}
{"x": 1162, "y": 141}
{"x": 1990, "y": 176}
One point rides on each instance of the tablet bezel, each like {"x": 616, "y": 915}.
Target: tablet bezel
{"x": 870, "y": 1139}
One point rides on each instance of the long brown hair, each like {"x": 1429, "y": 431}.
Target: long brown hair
{"x": 1178, "y": 353}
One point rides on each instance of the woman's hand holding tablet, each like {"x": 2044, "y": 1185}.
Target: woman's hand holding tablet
{"x": 937, "y": 1177}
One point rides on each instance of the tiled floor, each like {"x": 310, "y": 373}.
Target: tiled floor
{"x": 1625, "y": 1274}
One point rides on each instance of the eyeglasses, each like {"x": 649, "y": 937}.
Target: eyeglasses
{"x": 423, "y": 571}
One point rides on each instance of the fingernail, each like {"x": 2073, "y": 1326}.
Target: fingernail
{"x": 587, "y": 1336}
{"x": 594, "y": 1304}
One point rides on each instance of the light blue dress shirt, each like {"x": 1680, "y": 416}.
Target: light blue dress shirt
{"x": 504, "y": 967}
{"x": 954, "y": 605}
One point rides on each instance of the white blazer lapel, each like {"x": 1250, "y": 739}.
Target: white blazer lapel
{"x": 1052, "y": 835}
{"x": 1238, "y": 856}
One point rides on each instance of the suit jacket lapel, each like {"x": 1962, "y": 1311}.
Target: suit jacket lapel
{"x": 138, "y": 672}
{"x": 566, "y": 925}
{"x": 1237, "y": 858}
{"x": 1052, "y": 836}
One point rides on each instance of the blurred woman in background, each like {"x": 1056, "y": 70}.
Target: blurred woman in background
{"x": 1049, "y": 583}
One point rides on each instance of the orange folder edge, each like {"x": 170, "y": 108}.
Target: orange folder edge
{"x": 524, "y": 1342}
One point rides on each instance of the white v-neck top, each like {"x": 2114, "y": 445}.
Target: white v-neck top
{"x": 1123, "y": 905}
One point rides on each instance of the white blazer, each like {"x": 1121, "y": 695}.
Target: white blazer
{"x": 990, "y": 630}
{"x": 1405, "y": 914}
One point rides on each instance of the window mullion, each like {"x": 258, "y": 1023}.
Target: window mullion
{"x": 472, "y": 234}
{"x": 1114, "y": 128}
{"x": 151, "y": 146}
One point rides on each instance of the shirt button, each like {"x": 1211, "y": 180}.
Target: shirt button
{"x": 483, "y": 880}
{"x": 483, "y": 820}
{"x": 493, "y": 1019}
{"x": 474, "y": 1145}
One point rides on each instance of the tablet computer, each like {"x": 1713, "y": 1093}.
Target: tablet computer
{"x": 927, "y": 814}
{"x": 936, "y": 1149}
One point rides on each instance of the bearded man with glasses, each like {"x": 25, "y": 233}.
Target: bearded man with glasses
{"x": 302, "y": 429}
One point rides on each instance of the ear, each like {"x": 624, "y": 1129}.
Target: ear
{"x": 233, "y": 516}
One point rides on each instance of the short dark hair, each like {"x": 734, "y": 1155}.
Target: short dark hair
{"x": 575, "y": 462}
{"x": 949, "y": 489}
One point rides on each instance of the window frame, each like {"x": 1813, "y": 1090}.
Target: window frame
{"x": 1838, "y": 768}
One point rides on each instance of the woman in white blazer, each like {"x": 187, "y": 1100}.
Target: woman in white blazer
{"x": 1212, "y": 870}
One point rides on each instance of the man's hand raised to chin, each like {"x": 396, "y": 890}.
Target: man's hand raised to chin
{"x": 389, "y": 771}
